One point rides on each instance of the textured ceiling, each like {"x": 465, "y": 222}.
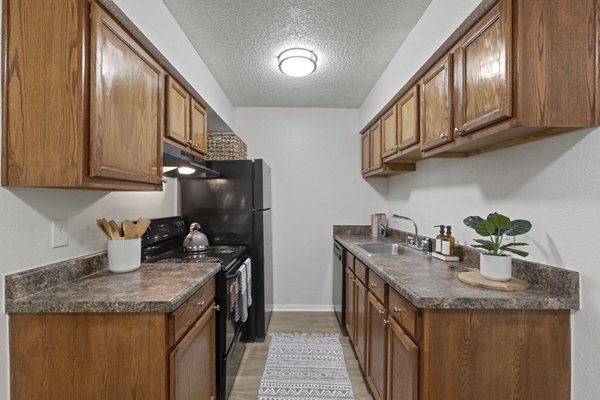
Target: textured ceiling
{"x": 240, "y": 39}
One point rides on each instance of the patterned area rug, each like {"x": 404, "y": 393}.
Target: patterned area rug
{"x": 305, "y": 367}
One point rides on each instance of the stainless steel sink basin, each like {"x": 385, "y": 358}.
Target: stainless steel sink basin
{"x": 390, "y": 249}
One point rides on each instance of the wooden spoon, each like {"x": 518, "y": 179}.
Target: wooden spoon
{"x": 129, "y": 229}
{"x": 108, "y": 229}
{"x": 101, "y": 226}
{"x": 141, "y": 226}
{"x": 114, "y": 228}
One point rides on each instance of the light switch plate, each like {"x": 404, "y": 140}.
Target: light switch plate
{"x": 59, "y": 235}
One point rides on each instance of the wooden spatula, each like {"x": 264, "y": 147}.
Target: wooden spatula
{"x": 101, "y": 226}
{"x": 140, "y": 226}
{"x": 114, "y": 228}
{"x": 129, "y": 229}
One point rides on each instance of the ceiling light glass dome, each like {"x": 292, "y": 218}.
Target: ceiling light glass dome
{"x": 297, "y": 62}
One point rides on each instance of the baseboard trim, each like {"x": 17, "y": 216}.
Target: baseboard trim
{"x": 303, "y": 307}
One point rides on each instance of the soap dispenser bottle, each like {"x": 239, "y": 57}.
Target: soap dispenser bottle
{"x": 448, "y": 243}
{"x": 439, "y": 238}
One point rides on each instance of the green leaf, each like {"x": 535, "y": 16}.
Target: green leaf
{"x": 485, "y": 228}
{"x": 484, "y": 242}
{"x": 518, "y": 227}
{"x": 518, "y": 252}
{"x": 472, "y": 221}
{"x": 506, "y": 246}
{"x": 502, "y": 222}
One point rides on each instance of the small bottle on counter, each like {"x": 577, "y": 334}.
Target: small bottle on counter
{"x": 448, "y": 243}
{"x": 439, "y": 238}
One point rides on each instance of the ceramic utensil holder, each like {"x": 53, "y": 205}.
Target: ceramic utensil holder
{"x": 124, "y": 255}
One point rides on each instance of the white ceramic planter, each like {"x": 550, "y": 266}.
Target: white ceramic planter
{"x": 496, "y": 268}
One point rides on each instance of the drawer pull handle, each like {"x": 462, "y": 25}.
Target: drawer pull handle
{"x": 397, "y": 310}
{"x": 372, "y": 285}
{"x": 381, "y": 312}
{"x": 386, "y": 322}
{"x": 201, "y": 303}
{"x": 443, "y": 136}
{"x": 458, "y": 131}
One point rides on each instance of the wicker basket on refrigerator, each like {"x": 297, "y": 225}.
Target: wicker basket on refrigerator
{"x": 226, "y": 146}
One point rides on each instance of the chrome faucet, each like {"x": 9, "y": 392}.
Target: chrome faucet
{"x": 415, "y": 242}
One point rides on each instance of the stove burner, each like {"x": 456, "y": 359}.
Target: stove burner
{"x": 169, "y": 261}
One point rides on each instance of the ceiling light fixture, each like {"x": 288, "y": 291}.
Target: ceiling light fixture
{"x": 297, "y": 62}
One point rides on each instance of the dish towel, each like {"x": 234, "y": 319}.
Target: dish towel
{"x": 249, "y": 281}
{"x": 241, "y": 311}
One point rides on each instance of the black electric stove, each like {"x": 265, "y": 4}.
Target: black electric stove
{"x": 163, "y": 243}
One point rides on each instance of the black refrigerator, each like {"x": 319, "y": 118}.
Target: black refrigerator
{"x": 235, "y": 209}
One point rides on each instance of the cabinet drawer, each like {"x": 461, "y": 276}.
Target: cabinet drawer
{"x": 182, "y": 319}
{"x": 378, "y": 287}
{"x": 404, "y": 313}
{"x": 360, "y": 271}
{"x": 349, "y": 261}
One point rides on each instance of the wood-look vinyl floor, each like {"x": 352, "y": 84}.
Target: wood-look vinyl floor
{"x": 247, "y": 382}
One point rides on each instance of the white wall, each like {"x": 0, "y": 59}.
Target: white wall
{"x": 153, "y": 18}
{"x": 315, "y": 161}
{"x": 554, "y": 183}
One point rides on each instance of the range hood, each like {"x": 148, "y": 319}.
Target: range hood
{"x": 178, "y": 163}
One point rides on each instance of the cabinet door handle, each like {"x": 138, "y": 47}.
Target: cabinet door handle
{"x": 443, "y": 136}
{"x": 189, "y": 142}
{"x": 458, "y": 131}
{"x": 201, "y": 303}
{"x": 217, "y": 307}
{"x": 195, "y": 146}
{"x": 386, "y": 322}
{"x": 381, "y": 312}
{"x": 372, "y": 285}
{"x": 397, "y": 310}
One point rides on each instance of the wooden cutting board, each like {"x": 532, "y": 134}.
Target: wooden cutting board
{"x": 474, "y": 278}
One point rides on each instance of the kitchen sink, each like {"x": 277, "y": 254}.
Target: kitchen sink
{"x": 391, "y": 249}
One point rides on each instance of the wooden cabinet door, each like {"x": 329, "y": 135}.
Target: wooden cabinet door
{"x": 350, "y": 305}
{"x": 192, "y": 364}
{"x": 377, "y": 347}
{"x": 126, "y": 105}
{"x": 436, "y": 105}
{"x": 403, "y": 365}
{"x": 198, "y": 128}
{"x": 178, "y": 113}
{"x": 408, "y": 119}
{"x": 376, "y": 160}
{"x": 483, "y": 79}
{"x": 360, "y": 344}
{"x": 388, "y": 131}
{"x": 366, "y": 152}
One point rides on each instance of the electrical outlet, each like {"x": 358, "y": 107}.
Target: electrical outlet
{"x": 60, "y": 237}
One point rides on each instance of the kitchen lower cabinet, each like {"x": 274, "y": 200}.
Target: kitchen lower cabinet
{"x": 83, "y": 102}
{"x": 350, "y": 304}
{"x": 360, "y": 342}
{"x": 402, "y": 365}
{"x": 117, "y": 356}
{"x": 377, "y": 333}
{"x": 192, "y": 362}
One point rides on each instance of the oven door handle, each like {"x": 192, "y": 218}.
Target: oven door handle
{"x": 230, "y": 277}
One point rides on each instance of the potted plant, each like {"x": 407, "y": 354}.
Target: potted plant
{"x": 494, "y": 264}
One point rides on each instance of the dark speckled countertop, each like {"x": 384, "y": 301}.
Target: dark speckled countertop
{"x": 157, "y": 288}
{"x": 429, "y": 283}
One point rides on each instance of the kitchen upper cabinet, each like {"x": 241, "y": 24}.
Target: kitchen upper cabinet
{"x": 408, "y": 119}
{"x": 178, "y": 113}
{"x": 199, "y": 134}
{"x": 192, "y": 362}
{"x": 365, "y": 141}
{"x": 436, "y": 105}
{"x": 376, "y": 159}
{"x": 78, "y": 117}
{"x": 388, "y": 132}
{"x": 483, "y": 72}
{"x": 126, "y": 105}
{"x": 403, "y": 365}
{"x": 377, "y": 347}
